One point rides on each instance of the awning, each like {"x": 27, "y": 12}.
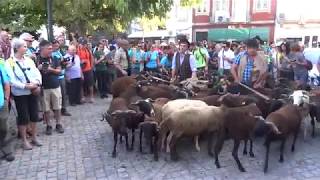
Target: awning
{"x": 239, "y": 34}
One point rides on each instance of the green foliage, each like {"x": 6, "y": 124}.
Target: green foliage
{"x": 84, "y": 16}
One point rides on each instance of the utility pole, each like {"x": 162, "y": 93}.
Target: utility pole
{"x": 50, "y": 21}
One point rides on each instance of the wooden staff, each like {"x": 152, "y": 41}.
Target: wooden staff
{"x": 254, "y": 91}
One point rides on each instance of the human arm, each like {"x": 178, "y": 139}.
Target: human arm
{"x": 230, "y": 57}
{"x": 193, "y": 67}
{"x": 56, "y": 69}
{"x": 6, "y": 83}
{"x": 318, "y": 65}
{"x": 173, "y": 67}
{"x": 235, "y": 69}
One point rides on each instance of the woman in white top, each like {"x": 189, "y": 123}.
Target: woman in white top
{"x": 25, "y": 80}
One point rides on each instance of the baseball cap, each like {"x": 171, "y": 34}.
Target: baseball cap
{"x": 26, "y": 36}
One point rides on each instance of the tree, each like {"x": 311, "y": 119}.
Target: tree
{"x": 80, "y": 15}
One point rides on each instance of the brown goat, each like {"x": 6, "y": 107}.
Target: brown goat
{"x": 121, "y": 84}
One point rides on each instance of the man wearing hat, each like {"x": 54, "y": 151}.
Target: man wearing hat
{"x": 226, "y": 56}
{"x": 120, "y": 57}
{"x": 28, "y": 38}
{"x": 183, "y": 63}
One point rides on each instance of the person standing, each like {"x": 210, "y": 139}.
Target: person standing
{"x": 101, "y": 70}
{"x": 202, "y": 57}
{"x": 226, "y": 56}
{"x": 153, "y": 60}
{"x": 299, "y": 63}
{"x": 5, "y": 45}
{"x": 74, "y": 76}
{"x": 120, "y": 58}
{"x": 28, "y": 38}
{"x": 50, "y": 69}
{"x": 56, "y": 54}
{"x": 6, "y": 148}
{"x": 250, "y": 68}
{"x": 87, "y": 63}
{"x": 183, "y": 63}
{"x": 137, "y": 55}
{"x": 25, "y": 81}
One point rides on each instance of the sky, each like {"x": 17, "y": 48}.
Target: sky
{"x": 293, "y": 9}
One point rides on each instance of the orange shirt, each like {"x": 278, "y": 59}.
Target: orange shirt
{"x": 85, "y": 57}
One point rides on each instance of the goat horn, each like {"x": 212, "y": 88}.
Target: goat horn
{"x": 130, "y": 111}
{"x": 117, "y": 112}
{"x": 136, "y": 103}
{"x": 273, "y": 127}
{"x": 150, "y": 100}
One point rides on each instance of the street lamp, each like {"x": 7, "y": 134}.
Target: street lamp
{"x": 50, "y": 21}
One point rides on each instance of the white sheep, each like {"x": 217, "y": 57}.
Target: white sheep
{"x": 173, "y": 106}
{"x": 300, "y": 97}
{"x": 190, "y": 121}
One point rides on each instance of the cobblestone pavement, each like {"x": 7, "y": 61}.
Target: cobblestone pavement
{"x": 84, "y": 152}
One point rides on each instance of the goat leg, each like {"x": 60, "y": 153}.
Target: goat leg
{"x": 155, "y": 149}
{"x": 115, "y": 139}
{"x": 282, "y": 149}
{"x": 168, "y": 142}
{"x": 251, "y": 151}
{"x": 235, "y": 155}
{"x": 304, "y": 129}
{"x": 132, "y": 139}
{"x": 173, "y": 148}
{"x": 294, "y": 140}
{"x": 267, "y": 144}
{"x": 121, "y": 139}
{"x": 151, "y": 145}
{"x": 196, "y": 142}
{"x": 210, "y": 139}
{"x": 217, "y": 150}
{"x": 140, "y": 140}
{"x": 127, "y": 144}
{"x": 313, "y": 126}
{"x": 245, "y": 147}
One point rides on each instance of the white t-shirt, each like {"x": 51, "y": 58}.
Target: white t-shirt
{"x": 223, "y": 64}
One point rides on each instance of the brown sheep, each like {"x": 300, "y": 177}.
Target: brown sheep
{"x": 121, "y": 84}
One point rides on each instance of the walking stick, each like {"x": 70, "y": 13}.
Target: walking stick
{"x": 255, "y": 91}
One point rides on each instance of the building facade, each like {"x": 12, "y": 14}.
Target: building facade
{"x": 299, "y": 22}
{"x": 234, "y": 20}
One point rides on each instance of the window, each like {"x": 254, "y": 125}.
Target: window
{"x": 262, "y": 5}
{"x": 221, "y": 5}
{"x": 314, "y": 41}
{"x": 203, "y": 8}
{"x": 306, "y": 41}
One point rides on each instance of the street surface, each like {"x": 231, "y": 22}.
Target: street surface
{"x": 84, "y": 152}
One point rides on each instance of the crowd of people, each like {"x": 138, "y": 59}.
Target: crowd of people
{"x": 44, "y": 79}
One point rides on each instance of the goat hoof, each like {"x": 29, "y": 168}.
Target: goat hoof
{"x": 245, "y": 152}
{"x": 210, "y": 154}
{"x": 242, "y": 169}
{"x": 265, "y": 170}
{"x": 251, "y": 154}
{"x": 114, "y": 155}
{"x": 218, "y": 165}
{"x": 156, "y": 158}
{"x": 292, "y": 149}
{"x": 174, "y": 158}
{"x": 281, "y": 160}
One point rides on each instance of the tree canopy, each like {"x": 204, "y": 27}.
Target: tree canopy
{"x": 79, "y": 15}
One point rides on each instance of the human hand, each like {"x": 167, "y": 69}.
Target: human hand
{"x": 124, "y": 72}
{"x": 40, "y": 67}
{"x": 30, "y": 86}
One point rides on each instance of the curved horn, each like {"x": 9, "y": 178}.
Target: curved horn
{"x": 150, "y": 100}
{"x": 136, "y": 103}
{"x": 274, "y": 128}
{"x": 116, "y": 112}
{"x": 129, "y": 111}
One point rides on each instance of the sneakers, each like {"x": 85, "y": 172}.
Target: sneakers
{"x": 49, "y": 130}
{"x": 64, "y": 112}
{"x": 59, "y": 128}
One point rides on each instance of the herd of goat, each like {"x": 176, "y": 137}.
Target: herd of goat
{"x": 164, "y": 112}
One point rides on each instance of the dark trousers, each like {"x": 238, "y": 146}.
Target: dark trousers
{"x": 74, "y": 91}
{"x": 63, "y": 94}
{"x": 6, "y": 138}
{"x": 103, "y": 82}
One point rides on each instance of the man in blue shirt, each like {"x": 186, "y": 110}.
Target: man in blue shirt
{"x": 56, "y": 54}
{"x": 6, "y": 146}
{"x": 250, "y": 67}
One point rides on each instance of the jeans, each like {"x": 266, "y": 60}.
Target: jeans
{"x": 301, "y": 76}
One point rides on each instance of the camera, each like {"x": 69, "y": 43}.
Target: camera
{"x": 45, "y": 65}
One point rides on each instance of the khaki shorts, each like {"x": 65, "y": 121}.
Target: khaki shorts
{"x": 52, "y": 99}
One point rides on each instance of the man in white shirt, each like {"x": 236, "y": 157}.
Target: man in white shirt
{"x": 226, "y": 56}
